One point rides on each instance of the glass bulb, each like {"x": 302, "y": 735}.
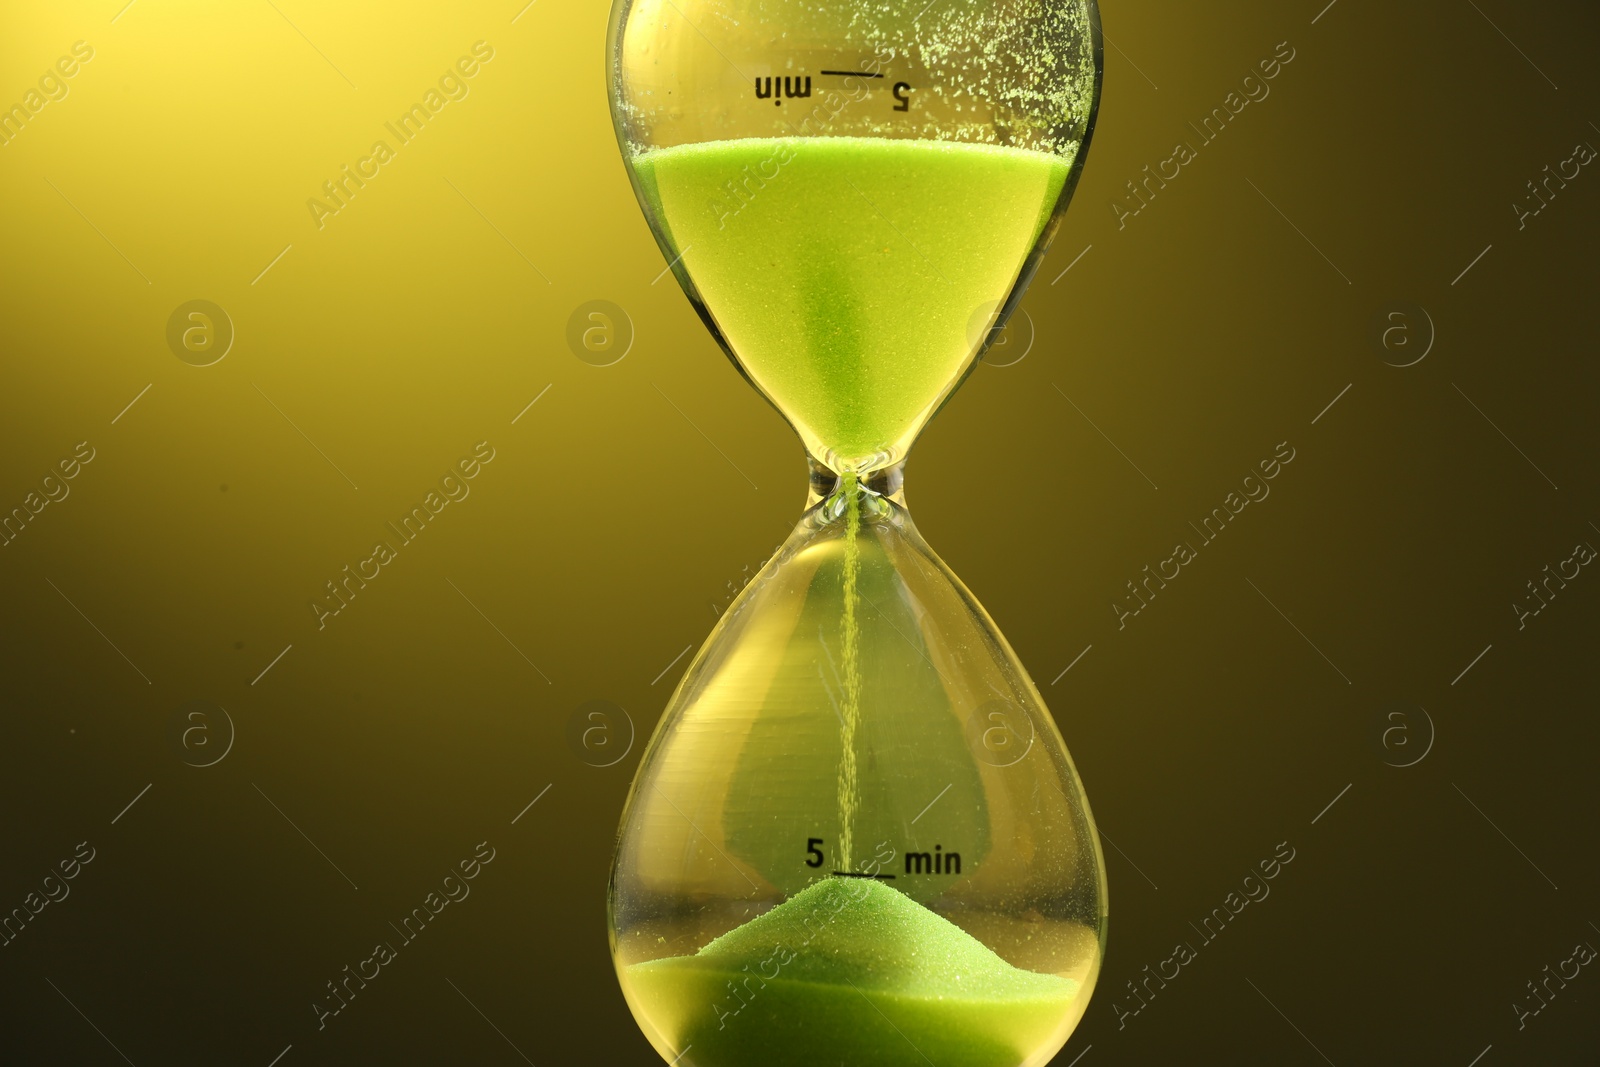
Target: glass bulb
{"x": 857, "y": 835}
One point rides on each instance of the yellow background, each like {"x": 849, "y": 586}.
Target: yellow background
{"x": 596, "y": 546}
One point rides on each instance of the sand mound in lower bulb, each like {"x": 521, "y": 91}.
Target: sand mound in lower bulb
{"x": 850, "y": 972}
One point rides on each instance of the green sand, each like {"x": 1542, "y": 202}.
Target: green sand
{"x": 853, "y": 973}
{"x": 845, "y": 272}
{"x": 847, "y": 275}
{"x": 850, "y": 654}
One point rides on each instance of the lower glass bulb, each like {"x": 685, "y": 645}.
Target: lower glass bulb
{"x": 856, "y": 836}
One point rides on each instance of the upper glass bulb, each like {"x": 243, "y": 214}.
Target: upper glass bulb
{"x": 850, "y": 193}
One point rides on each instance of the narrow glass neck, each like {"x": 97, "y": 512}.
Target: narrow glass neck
{"x": 888, "y": 482}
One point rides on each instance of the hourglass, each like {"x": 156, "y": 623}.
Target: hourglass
{"x": 856, "y": 836}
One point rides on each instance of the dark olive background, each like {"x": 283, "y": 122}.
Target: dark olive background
{"x": 1255, "y": 690}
